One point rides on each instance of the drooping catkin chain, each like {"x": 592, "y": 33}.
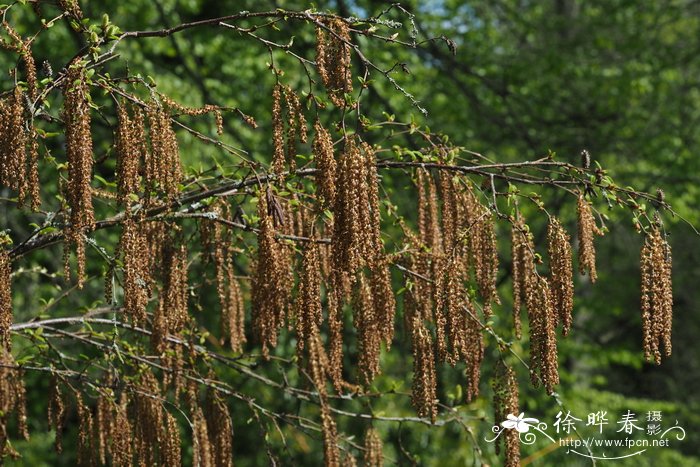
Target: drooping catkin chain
{"x": 543, "y": 339}
{"x": 656, "y": 296}
{"x": 56, "y": 413}
{"x": 423, "y": 391}
{"x": 294, "y": 130}
{"x": 13, "y": 402}
{"x": 485, "y": 258}
{"x": 5, "y": 298}
{"x": 325, "y": 162}
{"x": 333, "y": 59}
{"x": 76, "y": 115}
{"x": 356, "y": 234}
{"x": 318, "y": 369}
{"x": 373, "y": 455}
{"x": 369, "y": 337}
{"x": 171, "y": 451}
{"x": 134, "y": 245}
{"x": 561, "y": 273}
{"x": 505, "y": 402}
{"x": 587, "y": 228}
{"x": 131, "y": 149}
{"x": 23, "y": 49}
{"x": 523, "y": 268}
{"x": 87, "y": 451}
{"x": 18, "y": 149}
{"x": 148, "y": 419}
{"x": 121, "y": 447}
{"x": 308, "y": 311}
{"x": 171, "y": 314}
{"x": 202, "y": 449}
{"x": 220, "y": 430}
{"x": 163, "y": 171}
{"x": 272, "y": 281}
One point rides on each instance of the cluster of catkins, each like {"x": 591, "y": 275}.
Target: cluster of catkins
{"x": 456, "y": 238}
{"x": 333, "y": 58}
{"x": 18, "y": 149}
{"x": 505, "y": 402}
{"x": 657, "y": 295}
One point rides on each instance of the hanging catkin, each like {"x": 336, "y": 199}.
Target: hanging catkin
{"x": 505, "y": 402}
{"x": 148, "y": 419}
{"x": 373, "y": 456}
{"x": 325, "y": 162}
{"x": 333, "y": 59}
{"x": 5, "y": 298}
{"x": 656, "y": 295}
{"x": 86, "y": 448}
{"x": 308, "y": 306}
{"x": 134, "y": 246}
{"x": 121, "y": 446}
{"x": 56, "y": 412}
{"x": 76, "y": 115}
{"x": 130, "y": 146}
{"x": 18, "y": 149}
{"x": 272, "y": 282}
{"x": 523, "y": 267}
{"x": 171, "y": 314}
{"x": 543, "y": 340}
{"x": 485, "y": 255}
{"x": 561, "y": 273}
{"x": 587, "y": 228}
{"x": 163, "y": 171}
{"x": 423, "y": 391}
{"x": 13, "y": 402}
{"x": 220, "y": 430}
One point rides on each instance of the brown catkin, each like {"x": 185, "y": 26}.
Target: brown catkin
{"x": 121, "y": 442}
{"x": 587, "y": 228}
{"x": 369, "y": 338}
{"x": 485, "y": 254}
{"x": 309, "y": 313}
{"x": 325, "y": 162}
{"x": 271, "y": 282}
{"x": 5, "y": 298}
{"x": 163, "y": 171}
{"x": 202, "y": 455}
{"x": 86, "y": 448}
{"x": 373, "y": 456}
{"x": 423, "y": 392}
{"x": 523, "y": 268}
{"x": 333, "y": 59}
{"x": 130, "y": 146}
{"x": 656, "y": 295}
{"x": 561, "y": 273}
{"x": 76, "y": 115}
{"x": 170, "y": 448}
{"x": 103, "y": 422}
{"x": 12, "y": 401}
{"x": 171, "y": 314}
{"x": 505, "y": 402}
{"x": 543, "y": 339}
{"x": 148, "y": 419}
{"x": 220, "y": 429}
{"x": 278, "y": 157}
{"x": 18, "y": 149}
{"x": 56, "y": 412}
{"x": 23, "y": 49}
{"x": 134, "y": 246}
